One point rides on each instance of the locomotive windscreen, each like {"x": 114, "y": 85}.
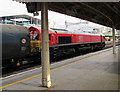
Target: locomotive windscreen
{"x": 64, "y": 39}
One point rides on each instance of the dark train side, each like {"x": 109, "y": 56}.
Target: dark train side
{"x": 15, "y": 44}
{"x": 20, "y": 44}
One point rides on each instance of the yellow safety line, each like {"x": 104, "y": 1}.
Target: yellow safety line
{"x": 20, "y": 81}
{"x": 50, "y": 70}
{"x": 78, "y": 61}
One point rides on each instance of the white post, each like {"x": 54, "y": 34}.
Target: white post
{"x": 31, "y": 20}
{"x": 15, "y": 21}
{"x": 46, "y": 81}
{"x": 113, "y": 34}
{"x": 5, "y": 20}
{"x": 22, "y": 20}
{"x": 36, "y": 21}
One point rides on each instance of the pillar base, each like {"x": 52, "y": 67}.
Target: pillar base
{"x": 46, "y": 83}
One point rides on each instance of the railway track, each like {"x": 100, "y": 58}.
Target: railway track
{"x": 31, "y": 66}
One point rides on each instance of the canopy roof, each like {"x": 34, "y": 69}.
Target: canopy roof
{"x": 105, "y": 13}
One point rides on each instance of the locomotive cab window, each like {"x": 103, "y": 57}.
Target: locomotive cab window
{"x": 34, "y": 36}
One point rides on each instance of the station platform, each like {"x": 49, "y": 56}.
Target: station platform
{"x": 92, "y": 71}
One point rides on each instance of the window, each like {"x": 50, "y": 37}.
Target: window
{"x": 34, "y": 36}
{"x": 64, "y": 39}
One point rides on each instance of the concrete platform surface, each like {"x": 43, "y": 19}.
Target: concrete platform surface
{"x": 93, "y": 71}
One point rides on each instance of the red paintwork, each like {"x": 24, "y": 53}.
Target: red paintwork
{"x": 76, "y": 38}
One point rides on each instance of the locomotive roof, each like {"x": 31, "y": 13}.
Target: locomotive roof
{"x": 66, "y": 32}
{"x": 38, "y": 29}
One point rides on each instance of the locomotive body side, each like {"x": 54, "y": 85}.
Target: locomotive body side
{"x": 87, "y": 38}
{"x": 73, "y": 39}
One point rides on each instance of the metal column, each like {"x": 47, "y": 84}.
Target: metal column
{"x": 15, "y": 20}
{"x": 37, "y": 22}
{"x": 5, "y": 20}
{"x": 22, "y": 20}
{"x": 31, "y": 20}
{"x": 113, "y": 34}
{"x": 46, "y": 81}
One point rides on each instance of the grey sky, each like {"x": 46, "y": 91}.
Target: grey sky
{"x": 9, "y": 7}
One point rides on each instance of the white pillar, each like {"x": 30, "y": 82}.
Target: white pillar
{"x": 22, "y": 20}
{"x": 46, "y": 81}
{"x": 113, "y": 34}
{"x": 36, "y": 21}
{"x": 15, "y": 21}
{"x": 5, "y": 20}
{"x": 31, "y": 20}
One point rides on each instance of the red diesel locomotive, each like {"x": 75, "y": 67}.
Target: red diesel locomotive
{"x": 61, "y": 41}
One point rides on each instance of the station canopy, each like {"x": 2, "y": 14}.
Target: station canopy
{"x": 104, "y": 13}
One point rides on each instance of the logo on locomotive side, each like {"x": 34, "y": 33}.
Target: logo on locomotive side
{"x": 80, "y": 38}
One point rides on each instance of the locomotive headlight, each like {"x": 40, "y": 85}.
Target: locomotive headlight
{"x": 23, "y": 40}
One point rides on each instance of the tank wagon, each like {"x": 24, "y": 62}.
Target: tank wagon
{"x": 15, "y": 44}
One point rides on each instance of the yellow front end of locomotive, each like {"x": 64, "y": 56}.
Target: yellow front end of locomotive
{"x": 35, "y": 46}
